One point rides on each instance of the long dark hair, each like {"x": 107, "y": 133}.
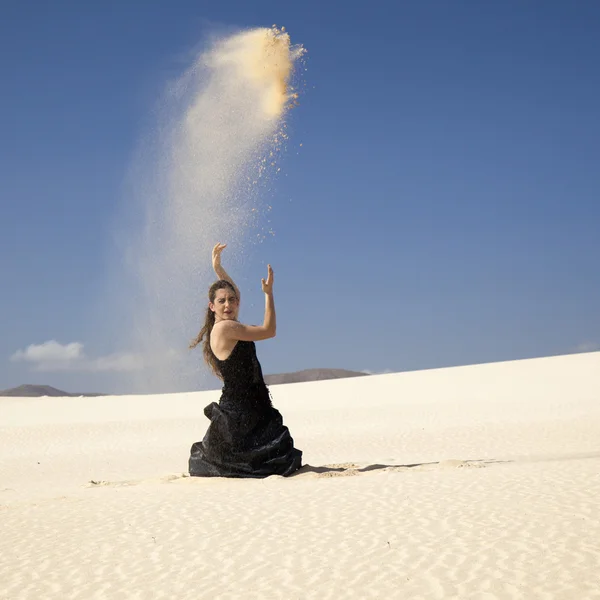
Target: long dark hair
{"x": 209, "y": 323}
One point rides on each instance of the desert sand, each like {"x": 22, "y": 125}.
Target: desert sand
{"x": 470, "y": 482}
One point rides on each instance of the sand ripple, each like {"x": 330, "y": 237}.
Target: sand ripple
{"x": 430, "y": 531}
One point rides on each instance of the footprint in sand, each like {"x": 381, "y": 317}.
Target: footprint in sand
{"x": 130, "y": 482}
{"x": 461, "y": 464}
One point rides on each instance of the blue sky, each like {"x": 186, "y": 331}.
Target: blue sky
{"x": 443, "y": 208}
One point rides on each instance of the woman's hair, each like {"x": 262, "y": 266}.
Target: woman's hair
{"x": 209, "y": 323}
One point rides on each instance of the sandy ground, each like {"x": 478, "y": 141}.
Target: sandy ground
{"x": 472, "y": 482}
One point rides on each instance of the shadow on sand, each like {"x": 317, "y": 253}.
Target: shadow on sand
{"x": 351, "y": 468}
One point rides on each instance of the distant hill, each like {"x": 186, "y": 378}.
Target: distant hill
{"x": 35, "y": 391}
{"x": 311, "y": 375}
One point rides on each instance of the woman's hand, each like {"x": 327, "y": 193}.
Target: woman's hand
{"x": 267, "y": 286}
{"x": 216, "y": 256}
{"x": 220, "y": 272}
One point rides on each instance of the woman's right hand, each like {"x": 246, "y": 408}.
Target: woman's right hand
{"x": 267, "y": 286}
{"x": 216, "y": 256}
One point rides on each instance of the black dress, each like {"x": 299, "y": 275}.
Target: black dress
{"x": 246, "y": 436}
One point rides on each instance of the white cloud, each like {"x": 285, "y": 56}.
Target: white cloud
{"x": 49, "y": 352}
{"x": 384, "y": 372}
{"x": 53, "y": 356}
{"x": 116, "y": 362}
{"x": 587, "y": 347}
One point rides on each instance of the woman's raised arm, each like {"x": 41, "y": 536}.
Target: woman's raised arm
{"x": 218, "y": 267}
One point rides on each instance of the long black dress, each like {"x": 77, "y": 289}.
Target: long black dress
{"x": 246, "y": 436}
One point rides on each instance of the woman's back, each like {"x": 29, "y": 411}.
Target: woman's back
{"x": 243, "y": 382}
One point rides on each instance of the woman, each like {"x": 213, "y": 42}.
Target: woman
{"x": 246, "y": 436}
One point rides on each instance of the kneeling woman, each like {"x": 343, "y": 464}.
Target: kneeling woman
{"x": 246, "y": 436}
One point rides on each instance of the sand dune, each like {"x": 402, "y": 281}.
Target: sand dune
{"x": 470, "y": 482}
